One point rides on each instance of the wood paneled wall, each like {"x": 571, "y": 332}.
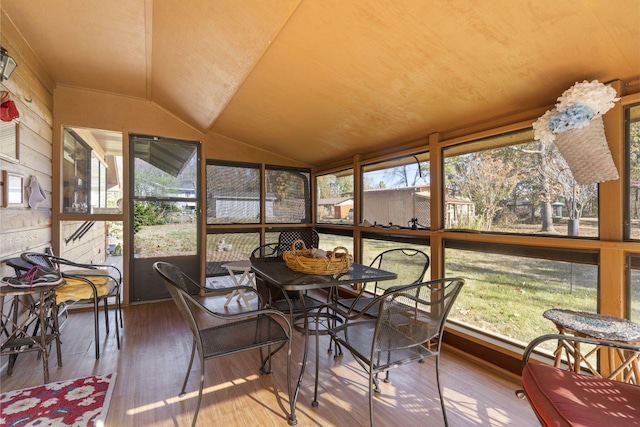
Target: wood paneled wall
{"x": 22, "y": 228}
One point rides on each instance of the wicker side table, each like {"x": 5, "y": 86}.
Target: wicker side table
{"x": 603, "y": 327}
{"x": 15, "y": 337}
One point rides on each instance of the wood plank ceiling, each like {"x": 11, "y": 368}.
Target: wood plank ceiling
{"x": 321, "y": 80}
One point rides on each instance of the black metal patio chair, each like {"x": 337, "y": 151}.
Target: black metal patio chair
{"x": 85, "y": 283}
{"x": 410, "y": 265}
{"x": 408, "y": 328}
{"x": 248, "y": 330}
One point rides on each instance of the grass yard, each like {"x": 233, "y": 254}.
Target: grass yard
{"x": 504, "y": 295}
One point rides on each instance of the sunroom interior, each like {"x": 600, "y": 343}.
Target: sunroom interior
{"x": 378, "y": 124}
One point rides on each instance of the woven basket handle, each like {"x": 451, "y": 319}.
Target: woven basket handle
{"x": 295, "y": 242}
{"x": 342, "y": 248}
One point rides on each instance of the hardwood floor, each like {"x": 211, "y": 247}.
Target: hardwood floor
{"x": 153, "y": 359}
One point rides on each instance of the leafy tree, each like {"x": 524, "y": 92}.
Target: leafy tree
{"x": 147, "y": 213}
{"x": 634, "y": 169}
{"x": 333, "y": 186}
{"x": 487, "y": 181}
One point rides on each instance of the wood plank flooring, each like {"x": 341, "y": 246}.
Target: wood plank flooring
{"x": 153, "y": 359}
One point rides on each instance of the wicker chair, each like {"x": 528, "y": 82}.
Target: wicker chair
{"x": 244, "y": 331}
{"x": 562, "y": 398}
{"x": 85, "y": 283}
{"x": 408, "y": 328}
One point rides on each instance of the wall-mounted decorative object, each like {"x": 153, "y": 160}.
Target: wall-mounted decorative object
{"x": 577, "y": 129}
{"x": 12, "y": 189}
{"x": 8, "y": 109}
{"x": 9, "y": 141}
{"x": 36, "y": 193}
{"x": 7, "y": 64}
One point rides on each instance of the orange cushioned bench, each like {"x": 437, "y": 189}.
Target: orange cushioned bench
{"x": 562, "y": 397}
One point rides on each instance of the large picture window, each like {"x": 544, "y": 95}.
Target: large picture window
{"x": 509, "y": 298}
{"x": 513, "y": 184}
{"x": 334, "y": 198}
{"x": 397, "y": 192}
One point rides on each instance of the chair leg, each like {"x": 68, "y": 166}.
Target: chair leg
{"x": 195, "y": 415}
{"x": 115, "y": 313}
{"x": 119, "y": 307}
{"x": 186, "y": 378}
{"x": 96, "y": 328}
{"x": 315, "y": 403}
{"x": 444, "y": 411}
{"x": 106, "y": 315}
{"x": 371, "y": 390}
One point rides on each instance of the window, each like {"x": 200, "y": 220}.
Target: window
{"x": 229, "y": 246}
{"x": 330, "y": 241}
{"x": 233, "y": 194}
{"x": 92, "y": 171}
{"x": 633, "y": 182}
{"x": 508, "y": 288}
{"x": 9, "y": 140}
{"x": 374, "y": 245}
{"x": 633, "y": 287}
{"x": 397, "y": 192}
{"x": 288, "y": 198}
{"x": 334, "y": 198}
{"x": 513, "y": 184}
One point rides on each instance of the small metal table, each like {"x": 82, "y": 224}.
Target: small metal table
{"x": 602, "y": 327}
{"x": 276, "y": 272}
{"x": 15, "y": 337}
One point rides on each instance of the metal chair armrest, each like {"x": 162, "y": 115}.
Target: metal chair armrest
{"x": 557, "y": 337}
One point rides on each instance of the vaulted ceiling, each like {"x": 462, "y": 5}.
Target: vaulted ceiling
{"x": 320, "y": 80}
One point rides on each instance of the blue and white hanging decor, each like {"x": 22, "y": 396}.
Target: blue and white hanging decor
{"x": 577, "y": 129}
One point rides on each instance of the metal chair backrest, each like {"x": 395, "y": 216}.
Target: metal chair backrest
{"x": 409, "y": 264}
{"x": 176, "y": 282}
{"x": 269, "y": 250}
{"x": 415, "y": 314}
{"x": 35, "y": 258}
{"x": 309, "y": 236}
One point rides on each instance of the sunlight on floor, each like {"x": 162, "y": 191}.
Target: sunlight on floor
{"x": 191, "y": 395}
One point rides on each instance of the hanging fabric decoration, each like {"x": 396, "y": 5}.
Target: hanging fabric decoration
{"x": 37, "y": 194}
{"x": 8, "y": 110}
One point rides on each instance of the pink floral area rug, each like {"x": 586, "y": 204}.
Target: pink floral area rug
{"x": 80, "y": 402}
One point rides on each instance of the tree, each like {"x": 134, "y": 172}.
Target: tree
{"x": 405, "y": 176}
{"x": 540, "y": 173}
{"x": 486, "y": 180}
{"x": 334, "y": 186}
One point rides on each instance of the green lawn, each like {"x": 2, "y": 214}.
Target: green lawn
{"x": 504, "y": 295}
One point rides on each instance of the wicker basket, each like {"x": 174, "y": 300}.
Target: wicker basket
{"x": 587, "y": 153}
{"x": 302, "y": 260}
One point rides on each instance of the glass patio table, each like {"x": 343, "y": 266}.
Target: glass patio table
{"x": 275, "y": 272}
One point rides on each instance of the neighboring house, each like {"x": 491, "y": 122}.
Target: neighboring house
{"x": 335, "y": 207}
{"x": 238, "y": 206}
{"x": 390, "y": 206}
